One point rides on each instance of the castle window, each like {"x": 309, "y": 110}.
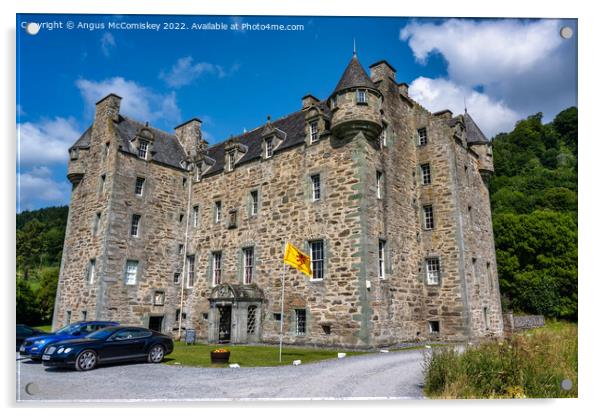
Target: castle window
{"x": 300, "y": 321}
{"x": 84, "y": 315}
{"x": 422, "y": 137}
{"x": 251, "y": 319}
{"x": 91, "y": 271}
{"x": 379, "y": 184}
{"x": 178, "y": 315}
{"x": 180, "y": 248}
{"x": 383, "y": 136}
{"x": 269, "y": 147}
{"x": 195, "y": 216}
{"x": 489, "y": 276}
{"x": 277, "y": 316}
{"x": 68, "y": 319}
{"x": 470, "y": 214}
{"x": 190, "y": 271}
{"x": 425, "y": 171}
{"x": 135, "y": 228}
{"x": 382, "y": 246}
{"x": 143, "y": 149}
{"x": 181, "y": 218}
{"x": 433, "y": 271}
{"x": 216, "y": 277}
{"x": 176, "y": 278}
{"x": 486, "y": 318}
{"x": 184, "y": 180}
{"x": 361, "y": 96}
{"x": 232, "y": 223}
{"x": 249, "y": 264}
{"x": 217, "y": 208}
{"x": 96, "y": 223}
{"x": 434, "y": 327}
{"x": 313, "y": 132}
{"x": 429, "y": 218}
{"x": 159, "y": 298}
{"x": 106, "y": 150}
{"x": 474, "y": 268}
{"x": 315, "y": 187}
{"x": 230, "y": 159}
{"x": 131, "y": 272}
{"x": 317, "y": 259}
{"x": 139, "y": 189}
{"x": 254, "y": 202}
{"x": 101, "y": 187}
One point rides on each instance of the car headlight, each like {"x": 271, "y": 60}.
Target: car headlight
{"x": 67, "y": 350}
{"x": 60, "y": 350}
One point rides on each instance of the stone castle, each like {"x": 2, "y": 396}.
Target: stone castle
{"x": 390, "y": 201}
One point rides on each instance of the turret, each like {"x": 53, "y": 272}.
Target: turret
{"x": 355, "y": 104}
{"x": 478, "y": 142}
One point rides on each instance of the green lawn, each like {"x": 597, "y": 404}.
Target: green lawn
{"x": 45, "y": 328}
{"x": 249, "y": 355}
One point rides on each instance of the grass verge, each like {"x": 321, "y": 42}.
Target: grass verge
{"x": 531, "y": 364}
{"x": 197, "y": 355}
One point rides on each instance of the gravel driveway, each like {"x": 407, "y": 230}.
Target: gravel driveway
{"x": 379, "y": 375}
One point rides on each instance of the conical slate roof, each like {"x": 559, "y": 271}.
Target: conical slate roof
{"x": 474, "y": 134}
{"x": 354, "y": 76}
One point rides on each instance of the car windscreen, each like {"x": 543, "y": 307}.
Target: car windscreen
{"x": 100, "y": 334}
{"x": 67, "y": 330}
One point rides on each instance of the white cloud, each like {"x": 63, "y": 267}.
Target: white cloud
{"x": 107, "y": 43}
{"x": 138, "y": 101}
{"x": 37, "y": 188}
{"x": 486, "y": 51}
{"x": 47, "y": 141}
{"x": 439, "y": 94}
{"x": 520, "y": 67}
{"x": 185, "y": 71}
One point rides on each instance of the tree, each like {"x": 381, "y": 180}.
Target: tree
{"x": 534, "y": 210}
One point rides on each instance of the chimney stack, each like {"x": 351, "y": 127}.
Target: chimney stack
{"x": 189, "y": 135}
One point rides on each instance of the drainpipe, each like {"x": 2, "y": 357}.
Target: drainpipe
{"x": 185, "y": 252}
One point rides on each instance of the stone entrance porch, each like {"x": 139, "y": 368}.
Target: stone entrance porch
{"x": 235, "y": 314}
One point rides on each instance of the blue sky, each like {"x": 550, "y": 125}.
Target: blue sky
{"x": 232, "y": 79}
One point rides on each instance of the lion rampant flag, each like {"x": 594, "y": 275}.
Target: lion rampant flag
{"x": 296, "y": 258}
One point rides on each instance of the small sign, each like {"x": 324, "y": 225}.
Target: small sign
{"x": 190, "y": 336}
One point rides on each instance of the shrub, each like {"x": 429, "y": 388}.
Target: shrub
{"x": 531, "y": 364}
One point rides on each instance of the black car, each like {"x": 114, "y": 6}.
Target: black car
{"x": 109, "y": 345}
{"x": 24, "y": 331}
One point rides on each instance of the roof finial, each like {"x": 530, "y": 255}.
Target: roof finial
{"x": 465, "y": 111}
{"x": 354, "y": 50}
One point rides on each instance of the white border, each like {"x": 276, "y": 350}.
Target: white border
{"x": 590, "y": 146}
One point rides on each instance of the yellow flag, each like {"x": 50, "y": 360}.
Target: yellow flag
{"x": 296, "y": 258}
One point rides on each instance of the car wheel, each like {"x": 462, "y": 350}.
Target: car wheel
{"x": 36, "y": 359}
{"x": 156, "y": 354}
{"x": 86, "y": 360}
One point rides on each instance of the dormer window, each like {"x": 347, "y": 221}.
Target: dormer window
{"x": 313, "y": 131}
{"x": 269, "y": 147}
{"x": 143, "y": 149}
{"x": 361, "y": 97}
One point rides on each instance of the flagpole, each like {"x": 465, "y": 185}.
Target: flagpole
{"x": 282, "y": 306}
